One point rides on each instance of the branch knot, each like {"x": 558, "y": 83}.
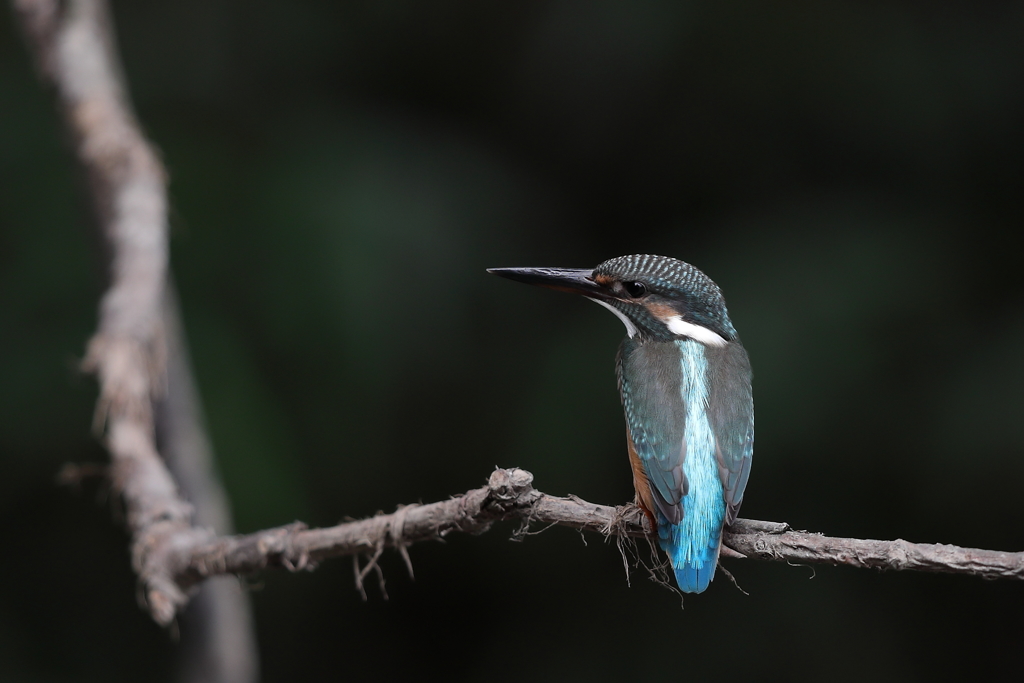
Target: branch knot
{"x": 510, "y": 490}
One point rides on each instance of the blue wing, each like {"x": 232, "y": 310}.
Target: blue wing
{"x": 731, "y": 412}
{"x": 649, "y": 380}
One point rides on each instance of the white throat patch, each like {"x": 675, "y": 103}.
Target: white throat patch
{"x": 630, "y": 327}
{"x": 677, "y": 325}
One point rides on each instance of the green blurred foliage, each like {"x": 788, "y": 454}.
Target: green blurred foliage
{"x": 342, "y": 173}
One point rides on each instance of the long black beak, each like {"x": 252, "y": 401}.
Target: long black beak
{"x": 572, "y": 280}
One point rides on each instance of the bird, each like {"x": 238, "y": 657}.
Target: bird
{"x": 684, "y": 380}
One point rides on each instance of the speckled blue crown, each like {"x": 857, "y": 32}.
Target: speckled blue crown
{"x": 676, "y": 279}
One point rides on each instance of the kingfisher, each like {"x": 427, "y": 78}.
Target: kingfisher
{"x": 685, "y": 384}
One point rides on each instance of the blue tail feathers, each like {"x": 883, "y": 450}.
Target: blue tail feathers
{"x": 694, "y": 567}
{"x": 692, "y": 579}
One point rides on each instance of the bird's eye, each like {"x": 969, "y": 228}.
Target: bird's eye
{"x": 635, "y": 289}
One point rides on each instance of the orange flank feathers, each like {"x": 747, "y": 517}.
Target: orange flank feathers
{"x": 640, "y": 483}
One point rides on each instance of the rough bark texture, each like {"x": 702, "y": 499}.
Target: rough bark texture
{"x": 138, "y": 353}
{"x": 218, "y": 634}
{"x": 509, "y": 495}
{"x": 74, "y": 50}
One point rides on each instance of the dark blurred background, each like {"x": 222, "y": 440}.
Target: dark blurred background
{"x": 341, "y": 174}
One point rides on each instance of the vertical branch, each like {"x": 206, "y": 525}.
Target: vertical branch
{"x": 73, "y": 45}
{"x": 218, "y": 639}
{"x": 74, "y": 51}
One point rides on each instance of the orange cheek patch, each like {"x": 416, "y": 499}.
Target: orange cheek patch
{"x": 604, "y": 280}
{"x": 661, "y": 311}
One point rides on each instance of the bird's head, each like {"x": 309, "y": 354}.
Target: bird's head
{"x": 656, "y": 297}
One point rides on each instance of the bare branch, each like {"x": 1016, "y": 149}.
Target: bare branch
{"x": 510, "y": 495}
{"x": 73, "y": 46}
{"x": 218, "y": 635}
{"x": 766, "y": 541}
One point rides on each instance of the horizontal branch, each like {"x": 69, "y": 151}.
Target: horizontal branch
{"x": 509, "y": 495}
